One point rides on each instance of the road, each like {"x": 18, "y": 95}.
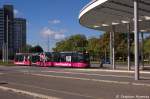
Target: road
{"x": 22, "y": 82}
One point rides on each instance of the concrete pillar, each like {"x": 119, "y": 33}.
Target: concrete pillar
{"x": 142, "y": 51}
{"x": 110, "y": 42}
{"x": 113, "y": 47}
{"x": 136, "y": 39}
{"x": 128, "y": 38}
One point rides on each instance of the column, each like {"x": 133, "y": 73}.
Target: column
{"x": 110, "y": 42}
{"x": 113, "y": 47}
{"x": 142, "y": 51}
{"x": 136, "y": 39}
{"x": 128, "y": 38}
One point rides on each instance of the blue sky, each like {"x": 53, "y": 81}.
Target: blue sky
{"x": 57, "y": 18}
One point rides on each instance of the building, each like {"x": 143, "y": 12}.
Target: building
{"x": 1, "y": 28}
{"x": 12, "y": 31}
{"x": 20, "y": 34}
{"x": 6, "y": 28}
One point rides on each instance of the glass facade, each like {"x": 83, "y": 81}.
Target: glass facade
{"x": 8, "y": 28}
{"x": 1, "y": 27}
{"x": 12, "y": 30}
{"x": 20, "y": 34}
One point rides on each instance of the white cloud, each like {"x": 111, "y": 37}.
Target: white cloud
{"x": 46, "y": 31}
{"x": 54, "y": 21}
{"x": 57, "y": 35}
{"x": 16, "y": 11}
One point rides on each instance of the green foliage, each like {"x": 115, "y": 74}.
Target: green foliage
{"x": 147, "y": 46}
{"x": 97, "y": 47}
{"x": 93, "y": 46}
{"x": 73, "y": 43}
{"x": 9, "y": 63}
{"x": 104, "y": 44}
{"x": 26, "y": 48}
{"x": 36, "y": 49}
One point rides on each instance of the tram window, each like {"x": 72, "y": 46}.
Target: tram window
{"x": 19, "y": 58}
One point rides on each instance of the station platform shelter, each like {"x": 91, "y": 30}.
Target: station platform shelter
{"x": 119, "y": 16}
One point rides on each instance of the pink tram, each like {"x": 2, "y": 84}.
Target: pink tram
{"x": 46, "y": 59}
{"x": 56, "y": 59}
{"x": 22, "y": 59}
{"x": 66, "y": 59}
{"x": 27, "y": 59}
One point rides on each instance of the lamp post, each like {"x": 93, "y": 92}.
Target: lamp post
{"x": 48, "y": 37}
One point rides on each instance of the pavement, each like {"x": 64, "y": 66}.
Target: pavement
{"x": 24, "y": 82}
{"x": 122, "y": 67}
{"x": 9, "y": 94}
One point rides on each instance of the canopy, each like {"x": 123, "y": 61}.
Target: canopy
{"x": 101, "y": 14}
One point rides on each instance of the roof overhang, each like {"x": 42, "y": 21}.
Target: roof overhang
{"x": 103, "y": 14}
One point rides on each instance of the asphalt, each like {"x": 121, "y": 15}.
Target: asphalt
{"x": 24, "y": 82}
{"x": 8, "y": 94}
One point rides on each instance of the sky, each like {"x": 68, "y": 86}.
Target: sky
{"x": 56, "y": 18}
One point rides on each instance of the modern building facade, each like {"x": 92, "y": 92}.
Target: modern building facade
{"x": 6, "y": 28}
{"x": 1, "y": 28}
{"x": 20, "y": 34}
{"x": 10, "y": 29}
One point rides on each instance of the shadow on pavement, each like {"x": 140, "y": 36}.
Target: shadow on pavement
{"x": 146, "y": 68}
{"x": 3, "y": 83}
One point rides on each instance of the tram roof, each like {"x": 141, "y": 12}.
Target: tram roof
{"x": 102, "y": 14}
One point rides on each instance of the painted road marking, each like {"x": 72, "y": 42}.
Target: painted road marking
{"x": 1, "y": 73}
{"x": 77, "y": 78}
{"x": 141, "y": 84}
{"x": 119, "y": 71}
{"x": 78, "y": 73}
{"x": 57, "y": 91}
{"x": 95, "y": 80}
{"x": 36, "y": 95}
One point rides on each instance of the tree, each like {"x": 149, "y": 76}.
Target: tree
{"x": 97, "y": 47}
{"x": 36, "y": 49}
{"x": 104, "y": 44}
{"x": 93, "y": 48}
{"x": 147, "y": 48}
{"x": 73, "y": 43}
{"x": 26, "y": 48}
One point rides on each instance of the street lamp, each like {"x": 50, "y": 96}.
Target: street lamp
{"x": 48, "y": 42}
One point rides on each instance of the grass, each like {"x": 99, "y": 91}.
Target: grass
{"x": 94, "y": 62}
{"x": 9, "y": 63}
{"x": 118, "y": 62}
